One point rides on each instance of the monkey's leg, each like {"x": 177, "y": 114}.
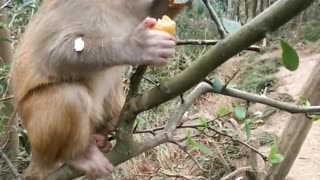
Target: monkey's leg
{"x": 59, "y": 129}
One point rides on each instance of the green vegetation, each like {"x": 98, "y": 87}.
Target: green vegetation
{"x": 258, "y": 74}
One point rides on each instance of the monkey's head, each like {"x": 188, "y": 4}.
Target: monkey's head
{"x": 167, "y": 7}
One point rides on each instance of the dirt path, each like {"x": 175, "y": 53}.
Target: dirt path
{"x": 307, "y": 164}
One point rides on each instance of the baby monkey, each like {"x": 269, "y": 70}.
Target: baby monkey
{"x": 67, "y": 76}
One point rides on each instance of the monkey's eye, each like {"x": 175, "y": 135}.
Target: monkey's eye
{"x": 79, "y": 44}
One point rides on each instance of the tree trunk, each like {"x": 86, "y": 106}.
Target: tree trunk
{"x": 5, "y": 47}
{"x": 296, "y": 131}
{"x": 251, "y": 9}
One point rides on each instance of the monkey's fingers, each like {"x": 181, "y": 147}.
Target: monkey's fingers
{"x": 149, "y": 22}
{"x": 166, "y": 53}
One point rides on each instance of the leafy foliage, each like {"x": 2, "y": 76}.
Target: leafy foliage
{"x": 231, "y": 26}
{"x": 274, "y": 157}
{"x": 240, "y": 112}
{"x": 312, "y": 31}
{"x": 290, "y": 58}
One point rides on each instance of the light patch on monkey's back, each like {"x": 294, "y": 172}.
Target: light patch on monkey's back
{"x": 105, "y": 86}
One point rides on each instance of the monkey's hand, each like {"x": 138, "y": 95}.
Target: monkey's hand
{"x": 151, "y": 47}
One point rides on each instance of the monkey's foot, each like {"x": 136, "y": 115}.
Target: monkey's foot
{"x": 102, "y": 142}
{"x": 93, "y": 163}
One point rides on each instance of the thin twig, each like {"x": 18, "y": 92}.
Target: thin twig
{"x": 6, "y": 98}
{"x": 9, "y": 125}
{"x": 210, "y": 42}
{"x": 179, "y": 176}
{"x": 180, "y": 126}
{"x": 265, "y": 158}
{"x": 215, "y": 19}
{"x": 220, "y": 155}
{"x": 270, "y": 102}
{"x": 190, "y": 155}
{"x": 10, "y": 165}
{"x": 236, "y": 172}
{"x": 5, "y": 5}
{"x": 150, "y": 81}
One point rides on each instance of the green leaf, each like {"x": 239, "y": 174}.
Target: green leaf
{"x": 290, "y": 58}
{"x": 5, "y": 40}
{"x": 205, "y": 149}
{"x": 274, "y": 157}
{"x": 203, "y": 122}
{"x": 304, "y": 101}
{"x": 198, "y": 6}
{"x": 139, "y": 121}
{"x": 315, "y": 117}
{"x": 240, "y": 113}
{"x": 231, "y": 26}
{"x": 247, "y": 129}
{"x": 217, "y": 84}
{"x": 222, "y": 111}
{"x": 191, "y": 144}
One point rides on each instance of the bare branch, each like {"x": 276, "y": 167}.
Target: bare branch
{"x": 220, "y": 155}
{"x": 5, "y": 5}
{"x": 236, "y": 172}
{"x": 265, "y": 158}
{"x": 6, "y": 98}
{"x": 215, "y": 18}
{"x": 278, "y": 14}
{"x": 9, "y": 163}
{"x": 268, "y": 21}
{"x": 178, "y": 176}
{"x": 210, "y": 42}
{"x": 267, "y": 101}
{"x": 190, "y": 155}
{"x": 201, "y": 89}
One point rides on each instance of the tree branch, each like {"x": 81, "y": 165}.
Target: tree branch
{"x": 9, "y": 163}
{"x": 267, "y": 101}
{"x": 126, "y": 148}
{"x": 215, "y": 18}
{"x": 236, "y": 172}
{"x": 278, "y": 14}
{"x": 268, "y": 21}
{"x": 5, "y": 5}
{"x": 189, "y": 154}
{"x": 210, "y": 42}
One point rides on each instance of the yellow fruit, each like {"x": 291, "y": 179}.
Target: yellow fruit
{"x": 165, "y": 24}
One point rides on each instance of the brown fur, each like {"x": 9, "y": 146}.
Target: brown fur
{"x": 62, "y": 95}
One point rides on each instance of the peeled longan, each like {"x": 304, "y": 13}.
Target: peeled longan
{"x": 165, "y": 24}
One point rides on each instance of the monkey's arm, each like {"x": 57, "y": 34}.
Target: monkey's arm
{"x": 141, "y": 46}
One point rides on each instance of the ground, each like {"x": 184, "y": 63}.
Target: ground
{"x": 307, "y": 164}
